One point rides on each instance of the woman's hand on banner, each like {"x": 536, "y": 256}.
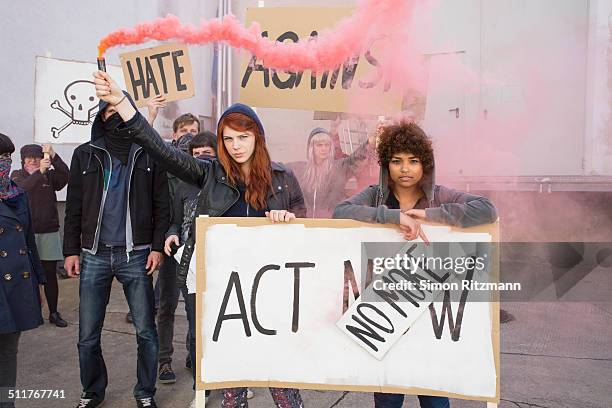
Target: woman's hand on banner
{"x": 418, "y": 214}
{"x": 411, "y": 228}
{"x": 280, "y": 215}
{"x": 172, "y": 239}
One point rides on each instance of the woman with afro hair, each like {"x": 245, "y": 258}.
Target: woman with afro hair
{"x": 406, "y": 194}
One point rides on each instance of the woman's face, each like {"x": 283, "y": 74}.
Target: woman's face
{"x": 321, "y": 147}
{"x": 32, "y": 163}
{"x": 240, "y": 145}
{"x": 405, "y": 170}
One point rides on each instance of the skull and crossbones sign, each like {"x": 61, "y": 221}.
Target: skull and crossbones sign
{"x": 80, "y": 96}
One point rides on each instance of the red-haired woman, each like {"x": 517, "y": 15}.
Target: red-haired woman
{"x": 243, "y": 182}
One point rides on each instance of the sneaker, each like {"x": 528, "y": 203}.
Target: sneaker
{"x": 148, "y": 402}
{"x": 166, "y": 375}
{"x": 250, "y": 393}
{"x": 93, "y": 402}
{"x": 128, "y": 317}
{"x": 56, "y": 319}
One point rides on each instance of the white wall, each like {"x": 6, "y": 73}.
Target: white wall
{"x": 599, "y": 89}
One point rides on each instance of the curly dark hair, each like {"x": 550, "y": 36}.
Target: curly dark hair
{"x": 405, "y": 137}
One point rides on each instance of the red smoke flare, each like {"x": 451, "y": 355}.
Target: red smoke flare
{"x": 372, "y": 19}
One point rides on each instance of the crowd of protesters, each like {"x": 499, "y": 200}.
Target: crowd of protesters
{"x": 131, "y": 201}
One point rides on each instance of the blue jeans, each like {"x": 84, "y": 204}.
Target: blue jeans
{"x": 397, "y": 400}
{"x": 97, "y": 273}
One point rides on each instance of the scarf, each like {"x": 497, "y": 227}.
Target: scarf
{"x": 118, "y": 147}
{"x": 7, "y": 190}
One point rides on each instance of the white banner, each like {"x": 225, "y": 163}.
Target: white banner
{"x": 271, "y": 296}
{"x": 65, "y": 104}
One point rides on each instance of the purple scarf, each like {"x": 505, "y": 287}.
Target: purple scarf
{"x": 7, "y": 190}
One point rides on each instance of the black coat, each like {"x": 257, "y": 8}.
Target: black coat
{"x": 20, "y": 268}
{"x": 217, "y": 193}
{"x": 41, "y": 190}
{"x": 148, "y": 195}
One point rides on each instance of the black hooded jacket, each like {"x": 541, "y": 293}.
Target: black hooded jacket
{"x": 148, "y": 206}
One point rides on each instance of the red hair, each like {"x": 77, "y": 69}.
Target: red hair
{"x": 260, "y": 169}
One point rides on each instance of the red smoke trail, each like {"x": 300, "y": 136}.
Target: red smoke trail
{"x": 350, "y": 37}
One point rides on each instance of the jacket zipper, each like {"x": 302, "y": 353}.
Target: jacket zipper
{"x": 101, "y": 210}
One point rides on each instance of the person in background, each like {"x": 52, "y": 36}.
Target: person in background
{"x": 239, "y": 184}
{"x": 334, "y": 131}
{"x": 204, "y": 147}
{"x": 407, "y": 193}
{"x": 184, "y": 129}
{"x": 43, "y": 172}
{"x": 20, "y": 272}
{"x": 322, "y": 177}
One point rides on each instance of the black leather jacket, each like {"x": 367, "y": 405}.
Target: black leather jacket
{"x": 217, "y": 193}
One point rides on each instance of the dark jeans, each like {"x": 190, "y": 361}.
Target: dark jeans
{"x": 397, "y": 400}
{"x": 97, "y": 273}
{"x": 168, "y": 300}
{"x": 190, "y": 308}
{"x": 9, "y": 343}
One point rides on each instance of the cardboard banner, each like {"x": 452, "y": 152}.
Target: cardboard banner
{"x": 162, "y": 70}
{"x": 270, "y": 299}
{"x": 65, "y": 102}
{"x": 355, "y": 87}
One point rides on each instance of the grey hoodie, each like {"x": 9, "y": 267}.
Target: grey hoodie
{"x": 442, "y": 205}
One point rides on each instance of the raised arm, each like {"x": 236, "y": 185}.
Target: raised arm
{"x": 142, "y": 133}
{"x": 58, "y": 178}
{"x": 348, "y": 165}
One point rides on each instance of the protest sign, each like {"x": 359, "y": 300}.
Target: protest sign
{"x": 271, "y": 298}
{"x": 65, "y": 102}
{"x": 162, "y": 70}
{"x": 335, "y": 91}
